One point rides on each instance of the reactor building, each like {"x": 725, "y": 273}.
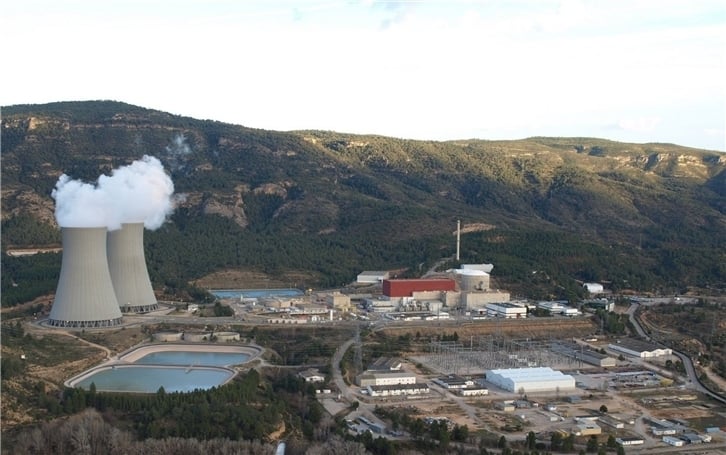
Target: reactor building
{"x": 127, "y": 266}
{"x": 85, "y": 296}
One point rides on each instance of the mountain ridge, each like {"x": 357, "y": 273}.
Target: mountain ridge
{"x": 346, "y": 191}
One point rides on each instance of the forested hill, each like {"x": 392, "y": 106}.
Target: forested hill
{"x": 644, "y": 216}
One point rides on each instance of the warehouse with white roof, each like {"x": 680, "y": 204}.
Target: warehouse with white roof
{"x": 531, "y": 380}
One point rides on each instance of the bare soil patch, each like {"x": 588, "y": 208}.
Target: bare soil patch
{"x": 248, "y": 279}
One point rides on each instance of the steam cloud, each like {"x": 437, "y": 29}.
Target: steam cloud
{"x": 139, "y": 192}
{"x": 177, "y": 153}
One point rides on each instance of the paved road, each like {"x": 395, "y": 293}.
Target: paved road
{"x": 700, "y": 449}
{"x": 337, "y": 374}
{"x": 693, "y": 381}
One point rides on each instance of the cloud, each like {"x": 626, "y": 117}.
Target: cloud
{"x": 178, "y": 152}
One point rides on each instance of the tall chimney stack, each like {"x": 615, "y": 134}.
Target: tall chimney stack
{"x": 458, "y": 238}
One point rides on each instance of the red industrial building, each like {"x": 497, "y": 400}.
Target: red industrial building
{"x": 406, "y": 288}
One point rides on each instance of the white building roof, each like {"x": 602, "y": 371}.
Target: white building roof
{"x": 531, "y": 380}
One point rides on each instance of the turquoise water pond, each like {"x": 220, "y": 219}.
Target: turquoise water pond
{"x": 193, "y": 358}
{"x": 148, "y": 379}
{"x": 176, "y": 371}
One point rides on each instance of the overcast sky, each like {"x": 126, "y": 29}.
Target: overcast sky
{"x": 629, "y": 70}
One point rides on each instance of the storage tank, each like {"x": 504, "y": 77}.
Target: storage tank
{"x": 85, "y": 296}
{"x": 167, "y": 336}
{"x": 226, "y": 336}
{"x": 127, "y": 265}
{"x": 473, "y": 280}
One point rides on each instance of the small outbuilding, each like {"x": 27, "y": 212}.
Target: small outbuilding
{"x": 593, "y": 288}
{"x": 312, "y": 375}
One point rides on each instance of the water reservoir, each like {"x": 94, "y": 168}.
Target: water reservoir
{"x": 148, "y": 379}
{"x": 176, "y": 367}
{"x": 255, "y": 293}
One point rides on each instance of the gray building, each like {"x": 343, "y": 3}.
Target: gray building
{"x": 639, "y": 348}
{"x": 584, "y": 354}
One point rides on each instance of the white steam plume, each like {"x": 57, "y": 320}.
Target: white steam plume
{"x": 139, "y": 192}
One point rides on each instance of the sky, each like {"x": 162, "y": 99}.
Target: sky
{"x": 627, "y": 70}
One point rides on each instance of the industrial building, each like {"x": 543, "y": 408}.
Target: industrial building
{"x": 464, "y": 386}
{"x": 473, "y": 391}
{"x": 603, "y": 304}
{"x": 612, "y": 422}
{"x": 474, "y": 284}
{"x": 558, "y": 308}
{"x": 638, "y": 348}
{"x": 673, "y": 441}
{"x": 505, "y": 310}
{"x": 586, "y": 429}
{"x": 377, "y": 305}
{"x": 431, "y": 306}
{"x": 385, "y": 364}
{"x": 630, "y": 441}
{"x": 531, "y": 380}
{"x": 338, "y": 301}
{"x": 594, "y": 288}
{"x": 397, "y": 389}
{"x": 312, "y": 375}
{"x": 418, "y": 316}
{"x": 407, "y": 287}
{"x": 127, "y": 266}
{"x": 583, "y": 353}
{"x": 453, "y": 381}
{"x": 85, "y": 296}
{"x": 372, "y": 277}
{"x": 472, "y": 280}
{"x": 476, "y": 300}
{"x": 385, "y": 378}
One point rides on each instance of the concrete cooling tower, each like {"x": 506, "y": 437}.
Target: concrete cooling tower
{"x": 85, "y": 297}
{"x": 127, "y": 264}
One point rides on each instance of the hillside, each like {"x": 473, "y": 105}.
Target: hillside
{"x": 650, "y": 217}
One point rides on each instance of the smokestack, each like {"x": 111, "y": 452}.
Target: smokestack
{"x": 127, "y": 266}
{"x": 85, "y": 297}
{"x": 458, "y": 238}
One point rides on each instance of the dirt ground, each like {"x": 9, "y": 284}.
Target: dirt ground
{"x": 244, "y": 279}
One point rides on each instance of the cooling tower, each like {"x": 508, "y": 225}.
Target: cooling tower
{"x": 127, "y": 264}
{"x": 85, "y": 296}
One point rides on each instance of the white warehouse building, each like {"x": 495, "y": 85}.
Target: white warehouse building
{"x": 594, "y": 288}
{"x": 531, "y": 380}
{"x": 506, "y": 310}
{"x": 385, "y": 378}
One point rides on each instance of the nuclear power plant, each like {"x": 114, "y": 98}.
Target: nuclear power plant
{"x": 127, "y": 265}
{"x": 85, "y": 296}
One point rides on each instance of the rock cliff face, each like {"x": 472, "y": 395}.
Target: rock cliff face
{"x": 18, "y": 201}
{"x": 222, "y": 169}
